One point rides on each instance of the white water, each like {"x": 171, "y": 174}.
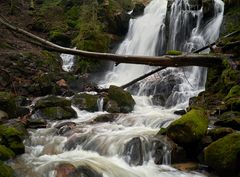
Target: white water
{"x": 67, "y": 62}
{"x": 101, "y": 146}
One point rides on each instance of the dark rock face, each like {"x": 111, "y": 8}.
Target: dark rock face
{"x": 133, "y": 151}
{"x": 85, "y": 171}
{"x": 138, "y": 9}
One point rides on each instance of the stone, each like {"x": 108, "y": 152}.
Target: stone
{"x": 133, "y": 151}
{"x": 6, "y": 153}
{"x": 138, "y": 9}
{"x": 64, "y": 169}
{"x": 223, "y": 155}
{"x": 86, "y": 171}
{"x": 218, "y": 133}
{"x": 112, "y": 107}
{"x": 86, "y": 102}
{"x": 36, "y": 123}
{"x": 105, "y": 118}
{"x": 122, "y": 98}
{"x": 188, "y": 129}
{"x": 5, "y": 170}
{"x": 52, "y": 101}
{"x": 233, "y": 123}
{"x": 3, "y": 116}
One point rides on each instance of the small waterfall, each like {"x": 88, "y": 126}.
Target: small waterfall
{"x": 100, "y": 104}
{"x": 67, "y": 62}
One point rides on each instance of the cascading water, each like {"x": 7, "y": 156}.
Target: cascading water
{"x": 125, "y": 147}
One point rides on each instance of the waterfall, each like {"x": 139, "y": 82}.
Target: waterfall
{"x": 67, "y": 62}
{"x": 128, "y": 146}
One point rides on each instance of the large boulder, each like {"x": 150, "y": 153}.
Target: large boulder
{"x": 123, "y": 98}
{"x": 190, "y": 128}
{"x": 86, "y": 102}
{"x": 6, "y": 153}
{"x": 220, "y": 132}
{"x": 223, "y": 155}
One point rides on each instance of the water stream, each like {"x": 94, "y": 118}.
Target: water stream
{"x": 104, "y": 147}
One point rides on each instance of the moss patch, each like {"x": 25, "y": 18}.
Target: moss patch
{"x": 173, "y": 52}
{"x": 6, "y": 153}
{"x": 86, "y": 102}
{"x": 5, "y": 170}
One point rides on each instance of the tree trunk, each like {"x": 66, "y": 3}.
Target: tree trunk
{"x": 167, "y": 60}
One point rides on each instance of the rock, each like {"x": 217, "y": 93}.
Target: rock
{"x": 12, "y": 138}
{"x": 138, "y": 9}
{"x": 122, "y": 98}
{"x": 86, "y": 102}
{"x": 208, "y": 12}
{"x": 64, "y": 169}
{"x": 223, "y": 155}
{"x": 164, "y": 147}
{"x": 189, "y": 166}
{"x": 62, "y": 83}
{"x": 229, "y": 115}
{"x": 5, "y": 170}
{"x": 85, "y": 171}
{"x": 106, "y": 118}
{"x": 55, "y": 113}
{"x": 218, "y": 133}
{"x": 6, "y": 153}
{"x": 180, "y": 112}
{"x": 232, "y": 100}
{"x": 52, "y": 101}
{"x": 112, "y": 107}
{"x": 229, "y": 122}
{"x": 60, "y": 38}
{"x": 36, "y": 123}
{"x": 133, "y": 151}
{"x": 188, "y": 129}
{"x": 65, "y": 127}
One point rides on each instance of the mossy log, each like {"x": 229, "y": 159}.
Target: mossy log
{"x": 166, "y": 60}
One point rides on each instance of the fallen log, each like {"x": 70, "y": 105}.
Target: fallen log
{"x": 166, "y": 60}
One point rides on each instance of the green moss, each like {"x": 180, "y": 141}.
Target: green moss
{"x": 223, "y": 155}
{"x": 123, "y": 98}
{"x": 58, "y": 113}
{"x": 52, "y": 101}
{"x": 190, "y": 128}
{"x": 234, "y": 92}
{"x": 173, "y": 52}
{"x": 220, "y": 132}
{"x": 86, "y": 102}
{"x": 6, "y": 171}
{"x": 6, "y": 153}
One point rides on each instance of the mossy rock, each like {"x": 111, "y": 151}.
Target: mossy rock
{"x": 234, "y": 92}
{"x": 190, "y": 128}
{"x": 56, "y": 113}
{"x": 5, "y": 170}
{"x": 86, "y": 102}
{"x": 218, "y": 133}
{"x": 6, "y": 153}
{"x": 12, "y": 138}
{"x": 123, "y": 98}
{"x": 223, "y": 155}
{"x": 229, "y": 115}
{"x": 105, "y": 118}
{"x": 3, "y": 116}
{"x": 173, "y": 52}
{"x": 112, "y": 107}
{"x": 60, "y": 38}
{"x": 52, "y": 101}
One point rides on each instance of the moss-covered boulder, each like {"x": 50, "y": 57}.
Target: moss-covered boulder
{"x": 52, "y": 101}
{"x": 12, "y": 138}
{"x": 190, "y": 128}
{"x": 233, "y": 98}
{"x": 86, "y": 102}
{"x": 56, "y": 113}
{"x": 223, "y": 155}
{"x": 106, "y": 118}
{"x": 112, "y": 107}
{"x": 123, "y": 98}
{"x": 6, "y": 153}
{"x": 5, "y": 170}
{"x": 229, "y": 122}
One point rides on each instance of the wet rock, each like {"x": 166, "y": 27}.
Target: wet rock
{"x": 223, "y": 155}
{"x": 74, "y": 141}
{"x": 86, "y": 102}
{"x": 55, "y": 113}
{"x": 133, "y": 151}
{"x": 52, "y": 101}
{"x": 229, "y": 122}
{"x": 122, "y": 98}
{"x": 60, "y": 38}
{"x": 106, "y": 118}
{"x": 189, "y": 166}
{"x": 138, "y": 9}
{"x": 6, "y": 153}
{"x": 164, "y": 149}
{"x": 85, "y": 171}
{"x": 3, "y": 116}
{"x": 65, "y": 127}
{"x": 180, "y": 112}
{"x": 64, "y": 169}
{"x": 218, "y": 133}
{"x": 229, "y": 115}
{"x": 5, "y": 170}
{"x": 208, "y": 12}
{"x": 189, "y": 129}
{"x": 112, "y": 107}
{"x": 36, "y": 123}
